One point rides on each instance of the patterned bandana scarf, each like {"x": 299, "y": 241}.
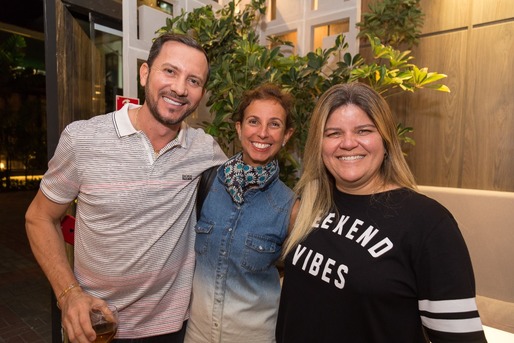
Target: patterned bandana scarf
{"x": 239, "y": 176}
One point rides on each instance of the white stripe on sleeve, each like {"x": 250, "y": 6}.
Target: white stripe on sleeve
{"x": 453, "y": 325}
{"x": 448, "y": 306}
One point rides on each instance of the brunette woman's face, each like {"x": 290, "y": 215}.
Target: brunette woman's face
{"x": 262, "y": 131}
{"x": 353, "y": 150}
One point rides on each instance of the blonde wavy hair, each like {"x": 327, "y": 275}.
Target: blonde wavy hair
{"x": 315, "y": 187}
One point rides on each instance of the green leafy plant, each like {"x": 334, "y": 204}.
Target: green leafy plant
{"x": 392, "y": 70}
{"x": 393, "y": 21}
{"x": 239, "y": 63}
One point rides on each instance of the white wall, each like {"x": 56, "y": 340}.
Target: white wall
{"x": 292, "y": 15}
{"x": 298, "y": 15}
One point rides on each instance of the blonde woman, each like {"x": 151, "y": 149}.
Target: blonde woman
{"x": 369, "y": 259}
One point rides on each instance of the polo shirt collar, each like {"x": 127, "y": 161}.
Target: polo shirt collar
{"x": 122, "y": 120}
{"x": 125, "y": 128}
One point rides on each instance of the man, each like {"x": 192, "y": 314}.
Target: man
{"x": 134, "y": 174}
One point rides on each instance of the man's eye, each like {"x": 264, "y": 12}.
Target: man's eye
{"x": 194, "y": 82}
{"x": 168, "y": 71}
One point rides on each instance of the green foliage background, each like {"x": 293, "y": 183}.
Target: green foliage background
{"x": 396, "y": 22}
{"x": 240, "y": 63}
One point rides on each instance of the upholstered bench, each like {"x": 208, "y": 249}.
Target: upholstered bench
{"x": 486, "y": 219}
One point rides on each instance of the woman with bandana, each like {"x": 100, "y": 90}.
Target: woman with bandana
{"x": 243, "y": 223}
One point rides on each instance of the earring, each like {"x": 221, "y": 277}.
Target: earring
{"x": 284, "y": 144}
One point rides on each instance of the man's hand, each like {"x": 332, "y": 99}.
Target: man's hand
{"x": 75, "y": 306}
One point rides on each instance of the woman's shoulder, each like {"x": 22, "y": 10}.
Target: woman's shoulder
{"x": 285, "y": 189}
{"x": 416, "y": 197}
{"x": 417, "y": 205}
{"x": 280, "y": 194}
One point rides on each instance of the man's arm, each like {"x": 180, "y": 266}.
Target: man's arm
{"x": 43, "y": 226}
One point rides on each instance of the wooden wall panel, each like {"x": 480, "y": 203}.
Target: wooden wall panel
{"x": 485, "y": 11}
{"x": 80, "y": 69}
{"x": 73, "y": 68}
{"x": 463, "y": 139}
{"x": 98, "y": 81}
{"x": 82, "y": 77}
{"x": 61, "y": 66}
{"x": 436, "y": 116}
{"x": 448, "y": 15}
{"x": 488, "y": 157}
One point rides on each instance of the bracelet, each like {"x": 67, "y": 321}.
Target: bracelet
{"x": 63, "y": 293}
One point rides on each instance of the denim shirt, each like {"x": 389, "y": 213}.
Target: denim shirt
{"x": 236, "y": 285}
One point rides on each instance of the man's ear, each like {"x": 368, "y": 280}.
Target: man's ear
{"x": 144, "y": 70}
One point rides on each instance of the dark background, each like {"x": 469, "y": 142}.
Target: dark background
{"x": 28, "y": 17}
{"x": 28, "y": 14}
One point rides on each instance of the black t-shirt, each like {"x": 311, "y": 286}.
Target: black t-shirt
{"x": 391, "y": 267}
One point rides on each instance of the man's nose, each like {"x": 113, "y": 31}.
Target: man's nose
{"x": 180, "y": 87}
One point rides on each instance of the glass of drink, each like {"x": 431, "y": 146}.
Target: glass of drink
{"x": 105, "y": 323}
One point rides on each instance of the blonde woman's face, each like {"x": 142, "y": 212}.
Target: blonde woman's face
{"x": 353, "y": 150}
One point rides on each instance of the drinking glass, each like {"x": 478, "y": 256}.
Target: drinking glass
{"x": 104, "y": 324}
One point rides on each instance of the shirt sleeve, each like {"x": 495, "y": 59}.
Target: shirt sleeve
{"x": 219, "y": 156}
{"x": 60, "y": 183}
{"x": 446, "y": 285}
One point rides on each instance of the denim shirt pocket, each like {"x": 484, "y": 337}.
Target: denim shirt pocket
{"x": 260, "y": 253}
{"x": 203, "y": 232}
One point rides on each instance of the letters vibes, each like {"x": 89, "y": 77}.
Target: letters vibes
{"x": 329, "y": 270}
{"x": 314, "y": 264}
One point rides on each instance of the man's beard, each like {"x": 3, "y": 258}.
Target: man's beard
{"x": 152, "y": 106}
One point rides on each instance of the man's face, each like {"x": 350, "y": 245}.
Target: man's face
{"x": 174, "y": 85}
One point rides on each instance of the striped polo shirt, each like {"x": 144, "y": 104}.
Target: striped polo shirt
{"x": 134, "y": 232}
